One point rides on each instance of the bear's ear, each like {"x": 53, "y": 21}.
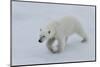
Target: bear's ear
{"x": 40, "y": 29}
{"x": 49, "y": 31}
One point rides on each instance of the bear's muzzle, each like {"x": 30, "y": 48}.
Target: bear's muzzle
{"x": 40, "y": 41}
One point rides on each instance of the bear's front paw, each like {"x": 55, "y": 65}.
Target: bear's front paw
{"x": 56, "y": 51}
{"x": 59, "y": 51}
{"x": 53, "y": 51}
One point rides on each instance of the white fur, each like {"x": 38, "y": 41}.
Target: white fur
{"x": 61, "y": 30}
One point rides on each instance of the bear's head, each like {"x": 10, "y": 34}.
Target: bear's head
{"x": 46, "y": 34}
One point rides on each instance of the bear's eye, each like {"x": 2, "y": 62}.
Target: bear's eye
{"x": 49, "y": 32}
{"x": 43, "y": 36}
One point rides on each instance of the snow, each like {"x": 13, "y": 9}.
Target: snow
{"x": 28, "y": 18}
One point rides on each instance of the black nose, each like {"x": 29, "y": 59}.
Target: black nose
{"x": 40, "y": 41}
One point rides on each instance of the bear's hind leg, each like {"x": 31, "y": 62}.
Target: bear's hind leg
{"x": 81, "y": 33}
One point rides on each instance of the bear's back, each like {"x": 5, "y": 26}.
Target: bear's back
{"x": 67, "y": 25}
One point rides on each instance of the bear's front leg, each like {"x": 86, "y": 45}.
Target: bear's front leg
{"x": 49, "y": 45}
{"x": 61, "y": 45}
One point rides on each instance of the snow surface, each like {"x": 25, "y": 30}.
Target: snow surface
{"x": 28, "y": 18}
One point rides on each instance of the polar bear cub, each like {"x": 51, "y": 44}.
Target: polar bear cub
{"x": 60, "y": 30}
